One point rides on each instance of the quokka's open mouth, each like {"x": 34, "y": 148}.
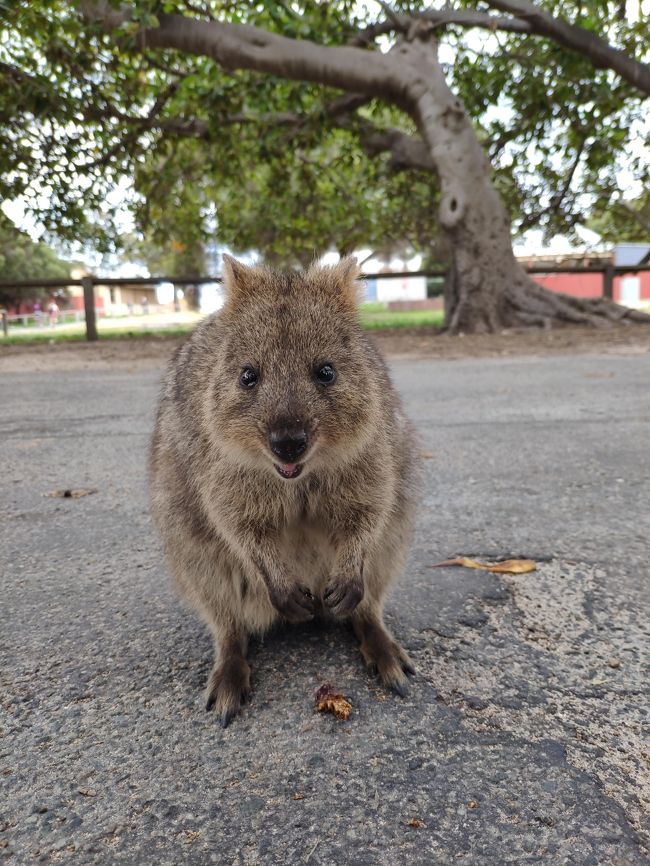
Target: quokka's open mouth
{"x": 289, "y": 470}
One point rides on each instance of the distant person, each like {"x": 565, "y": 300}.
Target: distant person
{"x": 129, "y": 306}
{"x": 53, "y": 313}
{"x": 145, "y": 307}
{"x": 37, "y": 310}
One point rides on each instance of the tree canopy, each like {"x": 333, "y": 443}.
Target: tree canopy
{"x": 624, "y": 220}
{"x": 290, "y": 167}
{"x": 289, "y": 124}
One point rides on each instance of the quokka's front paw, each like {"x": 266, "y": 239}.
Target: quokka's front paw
{"x": 343, "y": 594}
{"x": 228, "y": 688}
{"x": 295, "y": 603}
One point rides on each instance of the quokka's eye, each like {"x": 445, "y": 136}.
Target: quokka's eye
{"x": 325, "y": 374}
{"x": 248, "y": 377}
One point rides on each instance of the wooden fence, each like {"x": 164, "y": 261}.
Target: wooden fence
{"x": 608, "y": 271}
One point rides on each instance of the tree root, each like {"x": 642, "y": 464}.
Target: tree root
{"x": 527, "y": 304}
{"x": 555, "y": 308}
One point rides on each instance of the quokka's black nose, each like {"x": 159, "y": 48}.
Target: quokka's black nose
{"x": 288, "y": 445}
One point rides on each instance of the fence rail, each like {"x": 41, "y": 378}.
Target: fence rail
{"x": 608, "y": 271}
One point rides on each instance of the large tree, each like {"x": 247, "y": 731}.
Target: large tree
{"x": 118, "y": 85}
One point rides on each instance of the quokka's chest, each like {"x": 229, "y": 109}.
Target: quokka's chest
{"x": 308, "y": 552}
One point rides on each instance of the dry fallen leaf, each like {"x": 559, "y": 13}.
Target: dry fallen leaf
{"x": 508, "y": 566}
{"x": 191, "y": 835}
{"x": 298, "y": 797}
{"x": 69, "y": 493}
{"x": 427, "y": 455}
{"x": 415, "y": 822}
{"x": 87, "y": 792}
{"x": 330, "y": 700}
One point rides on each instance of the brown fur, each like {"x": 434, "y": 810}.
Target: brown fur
{"x": 248, "y": 547}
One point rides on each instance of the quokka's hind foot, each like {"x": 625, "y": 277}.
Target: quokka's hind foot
{"x": 382, "y": 654}
{"x": 229, "y": 685}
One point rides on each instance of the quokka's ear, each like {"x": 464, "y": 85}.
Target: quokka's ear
{"x": 238, "y": 279}
{"x": 343, "y": 278}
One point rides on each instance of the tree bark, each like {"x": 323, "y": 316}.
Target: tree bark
{"x": 487, "y": 289}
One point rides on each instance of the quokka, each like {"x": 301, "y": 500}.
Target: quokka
{"x": 282, "y": 470}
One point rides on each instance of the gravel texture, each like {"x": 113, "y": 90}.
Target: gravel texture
{"x": 525, "y": 736}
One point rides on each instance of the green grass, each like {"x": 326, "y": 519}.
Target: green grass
{"x": 26, "y": 338}
{"x": 129, "y": 332}
{"x": 373, "y": 317}
{"x": 113, "y": 333}
{"x": 374, "y": 307}
{"x": 412, "y": 319}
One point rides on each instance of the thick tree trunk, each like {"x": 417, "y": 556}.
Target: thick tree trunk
{"x": 487, "y": 289}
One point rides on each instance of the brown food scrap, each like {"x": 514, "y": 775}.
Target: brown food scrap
{"x": 507, "y": 566}
{"x": 415, "y": 823}
{"x": 471, "y": 804}
{"x": 298, "y": 797}
{"x": 330, "y": 700}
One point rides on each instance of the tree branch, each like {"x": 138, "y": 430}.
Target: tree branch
{"x": 527, "y": 19}
{"x": 440, "y": 18}
{"x": 18, "y": 76}
{"x": 406, "y": 151}
{"x": 197, "y": 128}
{"x": 471, "y": 18}
{"x": 636, "y": 216}
{"x": 243, "y": 46}
{"x": 599, "y": 52}
{"x": 558, "y": 198}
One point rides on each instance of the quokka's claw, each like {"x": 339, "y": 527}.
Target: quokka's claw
{"x": 226, "y": 717}
{"x": 295, "y": 603}
{"x": 400, "y": 688}
{"x": 343, "y": 595}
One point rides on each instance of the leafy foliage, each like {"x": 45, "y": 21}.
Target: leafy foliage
{"x": 564, "y": 137}
{"x": 624, "y": 220}
{"x": 89, "y": 124}
{"x": 21, "y": 258}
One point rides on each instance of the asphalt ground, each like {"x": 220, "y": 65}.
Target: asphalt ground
{"x": 524, "y": 738}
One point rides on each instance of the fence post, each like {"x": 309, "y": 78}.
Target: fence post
{"x": 608, "y": 281}
{"x": 5, "y": 323}
{"x": 89, "y": 308}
